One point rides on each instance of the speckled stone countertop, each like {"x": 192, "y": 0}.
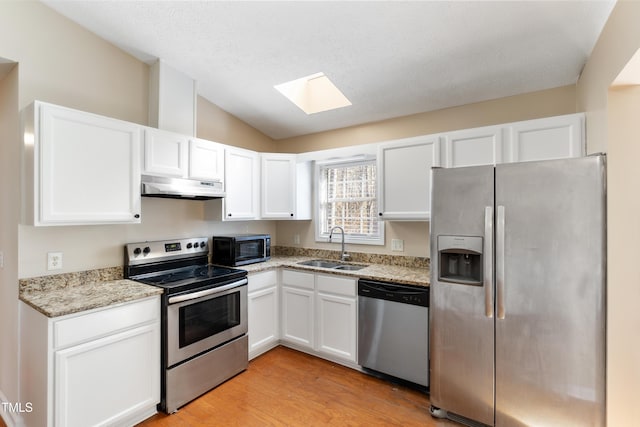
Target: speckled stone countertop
{"x": 392, "y": 273}
{"x": 69, "y": 293}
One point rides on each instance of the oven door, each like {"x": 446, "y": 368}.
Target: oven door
{"x": 202, "y": 320}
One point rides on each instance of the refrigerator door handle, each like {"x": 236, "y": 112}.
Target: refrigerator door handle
{"x": 488, "y": 261}
{"x": 500, "y": 262}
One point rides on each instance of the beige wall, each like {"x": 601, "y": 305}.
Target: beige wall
{"x": 623, "y": 359}
{"x": 415, "y": 235}
{"x": 215, "y": 124}
{"x": 9, "y": 215}
{"x": 64, "y": 64}
{"x": 618, "y": 42}
{"x": 546, "y": 103}
{"x": 613, "y": 126}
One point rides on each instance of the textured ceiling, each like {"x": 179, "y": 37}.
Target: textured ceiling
{"x": 390, "y": 58}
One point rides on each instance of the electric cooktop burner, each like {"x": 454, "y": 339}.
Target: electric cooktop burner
{"x": 176, "y": 265}
{"x": 188, "y": 275}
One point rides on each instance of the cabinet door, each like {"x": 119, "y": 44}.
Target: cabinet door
{"x": 549, "y": 138}
{"x": 242, "y": 174}
{"x": 263, "y": 320}
{"x": 165, "y": 153}
{"x": 337, "y": 327}
{"x": 473, "y": 147}
{"x": 103, "y": 382}
{"x": 86, "y": 168}
{"x": 297, "y": 316}
{"x": 206, "y": 160}
{"x": 404, "y": 178}
{"x": 278, "y": 185}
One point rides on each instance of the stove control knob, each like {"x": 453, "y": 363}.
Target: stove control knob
{"x": 146, "y": 250}
{"x": 203, "y": 244}
{"x": 189, "y": 245}
{"x": 137, "y": 251}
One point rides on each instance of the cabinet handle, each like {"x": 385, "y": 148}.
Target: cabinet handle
{"x": 379, "y": 213}
{"x": 136, "y": 216}
{"x": 291, "y": 214}
{"x": 228, "y": 214}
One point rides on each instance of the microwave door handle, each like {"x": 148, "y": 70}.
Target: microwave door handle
{"x": 206, "y": 292}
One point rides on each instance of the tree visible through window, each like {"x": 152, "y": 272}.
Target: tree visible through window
{"x": 347, "y": 198}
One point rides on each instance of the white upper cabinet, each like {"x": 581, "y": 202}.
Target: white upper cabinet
{"x": 473, "y": 147}
{"x": 165, "y": 153}
{"x": 206, "y": 160}
{"x": 80, "y": 168}
{"x": 404, "y": 177}
{"x": 286, "y": 187}
{"x": 548, "y": 138}
{"x": 242, "y": 185}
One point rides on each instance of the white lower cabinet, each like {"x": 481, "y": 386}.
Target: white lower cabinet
{"x": 319, "y": 314}
{"x": 298, "y": 308}
{"x": 336, "y": 316}
{"x": 264, "y": 312}
{"x": 94, "y": 368}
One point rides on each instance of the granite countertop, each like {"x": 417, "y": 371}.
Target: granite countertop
{"x": 69, "y": 293}
{"x": 392, "y": 273}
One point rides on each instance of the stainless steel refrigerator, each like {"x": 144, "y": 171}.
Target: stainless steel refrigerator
{"x": 518, "y": 293}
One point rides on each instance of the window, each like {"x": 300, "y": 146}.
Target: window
{"x": 346, "y": 198}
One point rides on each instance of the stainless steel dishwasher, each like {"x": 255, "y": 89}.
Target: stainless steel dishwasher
{"x": 393, "y": 330}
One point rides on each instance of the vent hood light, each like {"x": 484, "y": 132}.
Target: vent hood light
{"x": 314, "y": 94}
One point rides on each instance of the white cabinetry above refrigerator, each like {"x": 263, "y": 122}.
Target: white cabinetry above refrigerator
{"x": 404, "y": 177}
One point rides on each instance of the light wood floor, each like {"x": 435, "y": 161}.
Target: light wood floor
{"x": 285, "y": 387}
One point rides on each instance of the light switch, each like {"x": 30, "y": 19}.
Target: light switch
{"x": 397, "y": 245}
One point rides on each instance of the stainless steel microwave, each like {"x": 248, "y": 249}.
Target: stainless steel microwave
{"x": 240, "y": 249}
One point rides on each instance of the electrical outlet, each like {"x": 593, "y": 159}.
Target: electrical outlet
{"x": 397, "y": 245}
{"x": 1, "y": 259}
{"x": 54, "y": 260}
{"x": 296, "y": 239}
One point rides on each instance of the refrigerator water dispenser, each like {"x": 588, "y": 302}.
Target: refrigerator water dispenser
{"x": 460, "y": 259}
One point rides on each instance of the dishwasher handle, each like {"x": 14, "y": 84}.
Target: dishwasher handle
{"x": 401, "y": 293}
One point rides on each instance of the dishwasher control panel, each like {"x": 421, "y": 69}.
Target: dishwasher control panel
{"x": 406, "y": 294}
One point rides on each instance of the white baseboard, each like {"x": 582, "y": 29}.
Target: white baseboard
{"x": 11, "y": 419}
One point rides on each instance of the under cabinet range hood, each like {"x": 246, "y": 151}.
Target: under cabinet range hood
{"x": 179, "y": 188}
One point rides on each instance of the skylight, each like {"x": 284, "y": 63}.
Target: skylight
{"x": 314, "y": 94}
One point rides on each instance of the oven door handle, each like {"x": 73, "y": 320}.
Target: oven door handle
{"x": 200, "y": 294}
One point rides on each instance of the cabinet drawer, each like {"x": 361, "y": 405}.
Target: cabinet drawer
{"x": 262, "y": 280}
{"x": 298, "y": 279}
{"x": 90, "y": 326}
{"x": 336, "y": 285}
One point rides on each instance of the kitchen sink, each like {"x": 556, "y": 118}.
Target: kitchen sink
{"x": 349, "y": 267}
{"x": 321, "y": 263}
{"x": 336, "y": 265}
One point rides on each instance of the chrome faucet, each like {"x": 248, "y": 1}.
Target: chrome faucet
{"x": 344, "y": 256}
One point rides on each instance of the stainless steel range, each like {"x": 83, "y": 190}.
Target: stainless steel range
{"x": 204, "y": 315}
